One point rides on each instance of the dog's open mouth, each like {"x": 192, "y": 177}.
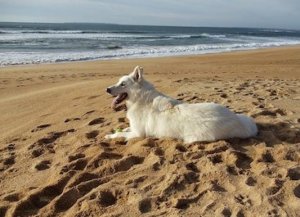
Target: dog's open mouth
{"x": 120, "y": 98}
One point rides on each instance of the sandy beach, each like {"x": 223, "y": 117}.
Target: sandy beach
{"x": 54, "y": 160}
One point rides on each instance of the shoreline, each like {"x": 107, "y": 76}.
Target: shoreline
{"x": 154, "y": 57}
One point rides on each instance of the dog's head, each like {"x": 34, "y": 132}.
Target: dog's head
{"x": 127, "y": 86}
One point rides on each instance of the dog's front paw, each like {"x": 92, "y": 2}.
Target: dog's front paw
{"x": 126, "y": 130}
{"x": 109, "y": 136}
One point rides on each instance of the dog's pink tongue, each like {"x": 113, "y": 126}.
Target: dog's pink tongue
{"x": 115, "y": 102}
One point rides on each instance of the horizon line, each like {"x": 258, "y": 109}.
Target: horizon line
{"x": 246, "y": 27}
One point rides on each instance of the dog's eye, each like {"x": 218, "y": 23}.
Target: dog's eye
{"x": 123, "y": 84}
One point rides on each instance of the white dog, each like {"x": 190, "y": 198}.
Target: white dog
{"x": 151, "y": 113}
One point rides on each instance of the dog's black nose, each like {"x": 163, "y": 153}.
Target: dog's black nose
{"x": 108, "y": 90}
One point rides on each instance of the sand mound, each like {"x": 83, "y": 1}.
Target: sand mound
{"x": 165, "y": 177}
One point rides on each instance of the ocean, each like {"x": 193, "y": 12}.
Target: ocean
{"x": 30, "y": 43}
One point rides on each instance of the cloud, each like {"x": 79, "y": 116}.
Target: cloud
{"x": 254, "y": 13}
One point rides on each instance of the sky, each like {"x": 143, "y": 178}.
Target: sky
{"x": 216, "y": 13}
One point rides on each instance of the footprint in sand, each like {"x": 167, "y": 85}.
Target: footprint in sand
{"x": 127, "y": 163}
{"x": 3, "y": 210}
{"x": 266, "y": 157}
{"x": 226, "y": 212}
{"x": 11, "y": 147}
{"x": 215, "y": 158}
{"x": 294, "y": 173}
{"x": 292, "y": 156}
{"x": 70, "y": 197}
{"x": 240, "y": 214}
{"x": 270, "y": 112}
{"x": 184, "y": 203}
{"x": 122, "y": 120}
{"x": 242, "y": 160}
{"x": 277, "y": 185}
{"x": 13, "y": 197}
{"x": 193, "y": 99}
{"x": 76, "y": 156}
{"x": 216, "y": 147}
{"x": 250, "y": 181}
{"x": 53, "y": 136}
{"x": 97, "y": 121}
{"x": 97, "y": 160}
{"x": 192, "y": 166}
{"x": 43, "y": 165}
{"x": 78, "y": 164}
{"x": 37, "y": 152}
{"x": 133, "y": 183}
{"x": 107, "y": 198}
{"x": 9, "y": 161}
{"x": 181, "y": 148}
{"x": 46, "y": 143}
{"x": 41, "y": 127}
{"x": 273, "y": 172}
{"x": 31, "y": 205}
{"x": 297, "y": 191}
{"x": 84, "y": 177}
{"x": 223, "y": 95}
{"x": 273, "y": 213}
{"x": 92, "y": 134}
{"x": 11, "y": 152}
{"x": 72, "y": 119}
{"x": 232, "y": 170}
{"x": 243, "y": 200}
{"x": 215, "y": 186}
{"x": 145, "y": 205}
{"x": 89, "y": 112}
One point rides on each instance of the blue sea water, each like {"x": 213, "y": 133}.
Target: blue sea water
{"x": 28, "y": 43}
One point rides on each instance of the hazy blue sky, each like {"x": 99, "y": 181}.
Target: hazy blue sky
{"x": 244, "y": 13}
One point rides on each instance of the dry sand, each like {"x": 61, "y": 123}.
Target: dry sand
{"x": 55, "y": 162}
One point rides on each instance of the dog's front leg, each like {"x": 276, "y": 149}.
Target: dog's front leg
{"x": 126, "y": 135}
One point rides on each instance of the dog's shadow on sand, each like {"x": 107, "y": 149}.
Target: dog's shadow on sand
{"x": 271, "y": 134}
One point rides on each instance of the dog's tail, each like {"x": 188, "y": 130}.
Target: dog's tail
{"x": 249, "y": 125}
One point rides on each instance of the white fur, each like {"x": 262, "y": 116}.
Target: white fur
{"x": 151, "y": 113}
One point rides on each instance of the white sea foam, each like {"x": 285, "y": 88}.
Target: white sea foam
{"x": 77, "y": 35}
{"x": 13, "y": 58}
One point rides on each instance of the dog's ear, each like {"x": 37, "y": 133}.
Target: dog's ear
{"x": 137, "y": 73}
